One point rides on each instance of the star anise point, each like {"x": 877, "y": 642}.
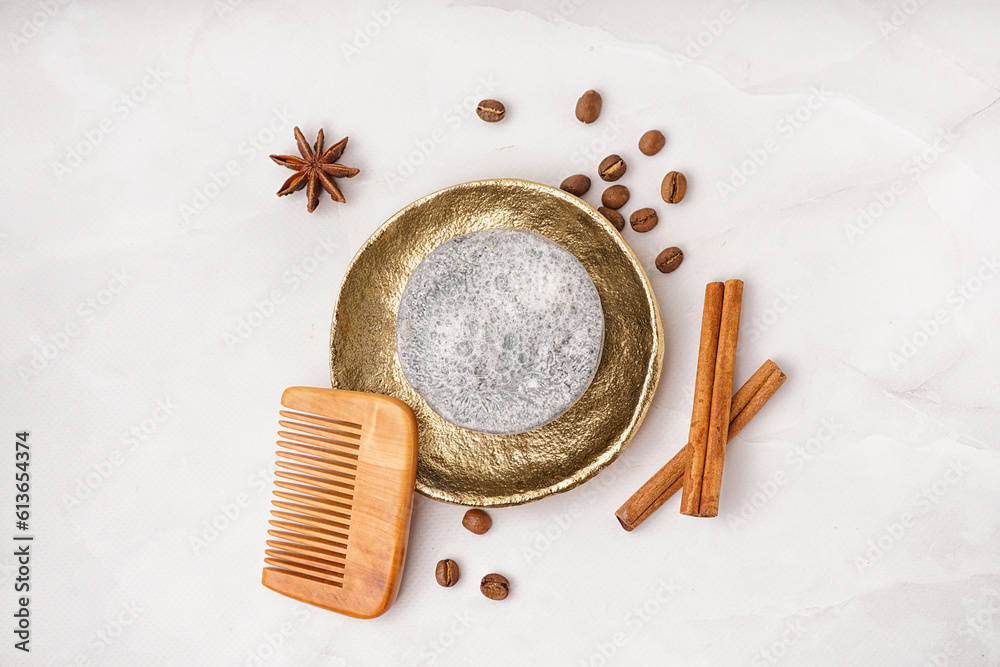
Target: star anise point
{"x": 315, "y": 170}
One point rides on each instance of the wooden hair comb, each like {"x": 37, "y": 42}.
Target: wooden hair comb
{"x": 344, "y": 494}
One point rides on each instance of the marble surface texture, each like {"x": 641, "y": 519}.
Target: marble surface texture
{"x": 841, "y": 158}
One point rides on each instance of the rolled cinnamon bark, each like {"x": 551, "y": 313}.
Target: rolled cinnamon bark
{"x": 747, "y": 402}
{"x": 755, "y": 403}
{"x": 667, "y": 481}
{"x": 722, "y": 391}
{"x": 749, "y": 389}
{"x": 701, "y": 411}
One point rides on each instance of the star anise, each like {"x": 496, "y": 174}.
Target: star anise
{"x": 315, "y": 169}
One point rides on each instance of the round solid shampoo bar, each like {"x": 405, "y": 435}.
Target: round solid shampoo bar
{"x": 500, "y": 331}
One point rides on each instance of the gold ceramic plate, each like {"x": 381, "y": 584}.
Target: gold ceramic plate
{"x": 466, "y": 467}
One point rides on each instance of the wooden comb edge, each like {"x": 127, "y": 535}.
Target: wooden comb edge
{"x": 342, "y": 500}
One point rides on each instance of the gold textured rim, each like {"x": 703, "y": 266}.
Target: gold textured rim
{"x": 466, "y": 467}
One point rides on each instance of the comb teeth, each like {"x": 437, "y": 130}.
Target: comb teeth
{"x": 319, "y": 457}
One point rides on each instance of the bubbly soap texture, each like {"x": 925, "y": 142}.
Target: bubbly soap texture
{"x": 500, "y": 331}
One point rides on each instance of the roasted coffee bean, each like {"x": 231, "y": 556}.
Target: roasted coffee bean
{"x": 477, "y": 521}
{"x": 643, "y": 220}
{"x": 446, "y": 572}
{"x": 615, "y": 197}
{"x": 651, "y": 142}
{"x": 491, "y": 111}
{"x": 673, "y": 188}
{"x": 613, "y": 216}
{"x": 577, "y": 184}
{"x": 588, "y": 107}
{"x": 669, "y": 259}
{"x": 612, "y": 168}
{"x": 495, "y": 586}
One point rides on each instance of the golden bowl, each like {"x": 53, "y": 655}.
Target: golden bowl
{"x": 467, "y": 467}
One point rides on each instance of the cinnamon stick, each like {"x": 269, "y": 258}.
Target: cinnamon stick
{"x": 749, "y": 389}
{"x": 701, "y": 412}
{"x": 747, "y": 402}
{"x": 722, "y": 391}
{"x": 755, "y": 403}
{"x": 667, "y": 481}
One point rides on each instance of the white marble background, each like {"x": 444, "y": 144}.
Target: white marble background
{"x": 157, "y": 298}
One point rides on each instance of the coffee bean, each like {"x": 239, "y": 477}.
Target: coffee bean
{"x": 588, "y": 107}
{"x": 615, "y": 197}
{"x": 612, "y": 168}
{"x": 669, "y": 259}
{"x": 446, "y": 572}
{"x": 643, "y": 220}
{"x": 613, "y": 216}
{"x": 651, "y": 142}
{"x": 577, "y": 184}
{"x": 477, "y": 521}
{"x": 674, "y": 186}
{"x": 495, "y": 586}
{"x": 491, "y": 111}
